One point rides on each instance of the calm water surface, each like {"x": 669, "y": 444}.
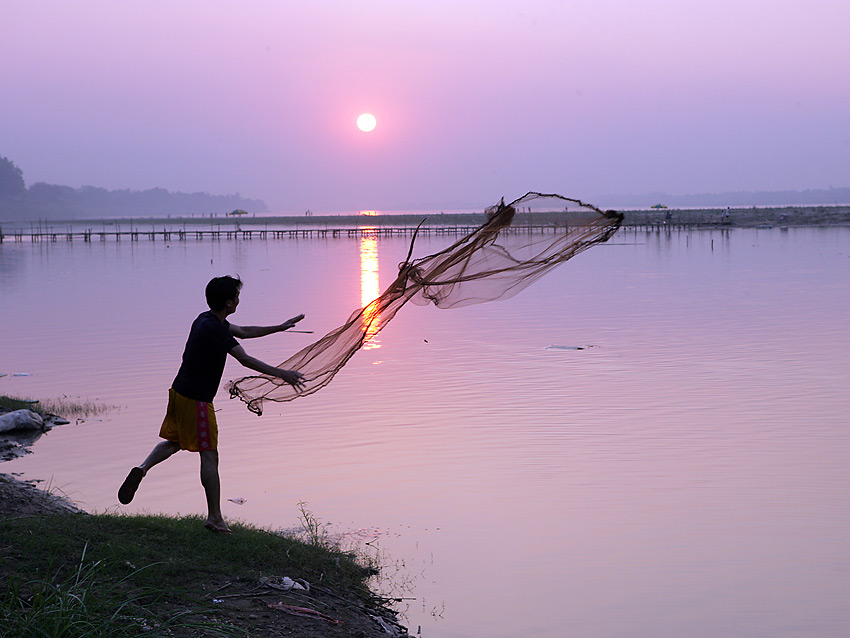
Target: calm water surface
{"x": 684, "y": 473}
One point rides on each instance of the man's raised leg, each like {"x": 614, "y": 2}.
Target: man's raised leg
{"x": 161, "y": 451}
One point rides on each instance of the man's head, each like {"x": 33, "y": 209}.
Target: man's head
{"x": 220, "y": 290}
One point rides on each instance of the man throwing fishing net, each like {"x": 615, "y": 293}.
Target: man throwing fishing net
{"x": 190, "y": 422}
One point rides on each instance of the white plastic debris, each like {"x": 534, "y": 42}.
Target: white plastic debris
{"x": 285, "y": 583}
{"x": 388, "y": 629}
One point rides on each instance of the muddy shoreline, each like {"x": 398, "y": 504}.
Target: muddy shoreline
{"x": 25, "y": 498}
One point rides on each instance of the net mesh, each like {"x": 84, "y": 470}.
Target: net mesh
{"x": 495, "y": 261}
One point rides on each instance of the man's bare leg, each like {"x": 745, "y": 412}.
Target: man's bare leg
{"x": 212, "y": 486}
{"x": 161, "y": 451}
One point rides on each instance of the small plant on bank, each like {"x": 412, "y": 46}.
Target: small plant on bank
{"x": 314, "y": 532}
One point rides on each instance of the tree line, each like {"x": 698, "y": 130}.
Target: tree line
{"x": 50, "y": 201}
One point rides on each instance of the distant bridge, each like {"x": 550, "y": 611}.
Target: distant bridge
{"x": 247, "y": 233}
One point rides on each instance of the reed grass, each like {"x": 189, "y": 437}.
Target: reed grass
{"x": 62, "y": 406}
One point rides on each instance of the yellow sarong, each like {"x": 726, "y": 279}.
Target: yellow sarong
{"x": 190, "y": 423}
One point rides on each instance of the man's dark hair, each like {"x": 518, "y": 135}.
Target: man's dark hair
{"x": 222, "y": 289}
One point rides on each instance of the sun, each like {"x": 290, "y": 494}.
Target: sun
{"x": 366, "y": 122}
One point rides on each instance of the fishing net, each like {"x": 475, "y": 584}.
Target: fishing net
{"x": 495, "y": 261}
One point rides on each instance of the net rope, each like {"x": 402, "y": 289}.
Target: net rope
{"x": 494, "y": 261}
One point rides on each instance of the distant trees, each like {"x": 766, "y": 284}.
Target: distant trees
{"x": 11, "y": 179}
{"x": 50, "y": 201}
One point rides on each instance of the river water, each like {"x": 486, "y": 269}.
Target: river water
{"x": 651, "y": 441}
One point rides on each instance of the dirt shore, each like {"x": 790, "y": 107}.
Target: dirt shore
{"x": 25, "y": 498}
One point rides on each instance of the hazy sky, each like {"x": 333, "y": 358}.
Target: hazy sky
{"x": 475, "y": 99}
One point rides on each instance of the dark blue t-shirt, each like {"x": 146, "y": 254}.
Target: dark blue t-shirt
{"x": 203, "y": 359}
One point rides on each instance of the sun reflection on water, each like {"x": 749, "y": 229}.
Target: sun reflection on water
{"x": 370, "y": 289}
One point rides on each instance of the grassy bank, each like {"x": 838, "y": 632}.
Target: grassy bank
{"x": 110, "y": 575}
{"x": 65, "y": 573}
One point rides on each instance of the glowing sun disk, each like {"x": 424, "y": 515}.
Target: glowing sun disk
{"x": 366, "y": 122}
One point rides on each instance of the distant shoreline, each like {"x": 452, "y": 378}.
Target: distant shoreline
{"x": 742, "y": 217}
{"x": 691, "y": 217}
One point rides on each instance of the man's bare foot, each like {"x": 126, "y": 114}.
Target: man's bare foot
{"x": 217, "y": 527}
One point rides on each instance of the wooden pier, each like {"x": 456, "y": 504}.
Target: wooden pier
{"x": 405, "y": 225}
{"x": 248, "y": 234}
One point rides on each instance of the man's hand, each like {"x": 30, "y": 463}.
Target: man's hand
{"x": 286, "y": 325}
{"x": 293, "y": 378}
{"x": 250, "y": 332}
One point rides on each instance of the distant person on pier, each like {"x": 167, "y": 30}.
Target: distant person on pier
{"x": 190, "y": 422}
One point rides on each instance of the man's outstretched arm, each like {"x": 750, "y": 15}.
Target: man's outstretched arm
{"x": 249, "y": 332}
{"x": 292, "y": 377}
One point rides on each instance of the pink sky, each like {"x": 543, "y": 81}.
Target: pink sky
{"x": 475, "y": 100}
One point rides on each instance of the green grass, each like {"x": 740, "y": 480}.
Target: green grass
{"x": 12, "y": 403}
{"x": 84, "y": 603}
{"x": 115, "y": 575}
